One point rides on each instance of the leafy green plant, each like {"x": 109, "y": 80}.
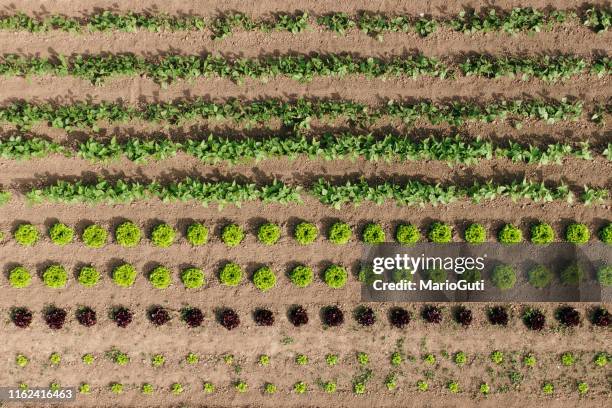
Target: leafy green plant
{"x": 61, "y": 234}
{"x": 55, "y": 359}
{"x": 529, "y": 360}
{"x": 572, "y": 274}
{"x": 192, "y": 359}
{"x": 509, "y": 234}
{"x": 26, "y": 234}
{"x": 460, "y": 358}
{"x": 373, "y": 234}
{"x": 231, "y": 274}
{"x": 124, "y": 275}
{"x": 19, "y": 277}
{"x": 503, "y": 277}
{"x": 158, "y": 360}
{"x": 422, "y": 385}
{"x": 21, "y": 360}
{"x": 5, "y": 197}
{"x": 193, "y": 278}
{"x": 84, "y": 389}
{"x": 147, "y": 389}
{"x": 305, "y": 233}
{"x": 599, "y": 20}
{"x": 127, "y": 234}
{"x": 264, "y": 360}
{"x": 582, "y": 387}
{"x": 160, "y": 277}
{"x": 331, "y": 359}
{"x": 55, "y": 276}
{"x": 339, "y": 233}
{"x": 329, "y": 387}
{"x": 241, "y": 386}
{"x": 264, "y": 279}
{"x": 604, "y": 275}
{"x": 116, "y": 388}
{"x": 429, "y": 359}
{"x": 94, "y": 236}
{"x": 363, "y": 358}
{"x": 359, "y": 387}
{"x": 568, "y": 359}
{"x": 577, "y": 233}
{"x": 232, "y": 235}
{"x": 301, "y": 359}
{"x": 197, "y": 234}
{"x": 391, "y": 381}
{"x": 605, "y": 234}
{"x": 539, "y": 276}
{"x": 484, "y": 389}
{"x": 268, "y": 233}
{"x": 407, "y": 234}
{"x": 453, "y": 386}
{"x": 548, "y": 388}
{"x": 301, "y": 276}
{"x": 425, "y": 27}
{"x": 209, "y": 387}
{"x": 118, "y": 357}
{"x": 497, "y": 357}
{"x": 300, "y": 387}
{"x": 475, "y": 234}
{"x": 436, "y": 275}
{"x": 88, "y": 359}
{"x": 335, "y": 276}
{"x": 396, "y": 359}
{"x": 471, "y": 275}
{"x": 542, "y": 234}
{"x": 601, "y": 359}
{"x": 270, "y": 388}
{"x": 163, "y": 235}
{"x": 440, "y": 233}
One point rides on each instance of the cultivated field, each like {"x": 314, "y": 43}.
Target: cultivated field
{"x": 187, "y": 189}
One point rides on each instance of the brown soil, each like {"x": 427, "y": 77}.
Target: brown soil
{"x": 211, "y": 341}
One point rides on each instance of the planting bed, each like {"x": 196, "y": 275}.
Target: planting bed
{"x": 398, "y": 115}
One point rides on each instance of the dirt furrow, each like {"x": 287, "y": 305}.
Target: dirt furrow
{"x": 137, "y": 89}
{"x": 459, "y": 213}
{"x": 562, "y": 40}
{"x": 213, "y": 8}
{"x": 574, "y": 172}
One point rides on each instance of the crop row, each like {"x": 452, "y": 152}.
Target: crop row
{"x": 214, "y": 149}
{"x": 336, "y": 276}
{"x": 331, "y": 316}
{"x": 513, "y": 21}
{"x": 358, "y": 386}
{"x": 162, "y": 235}
{"x": 296, "y": 114}
{"x": 222, "y": 193}
{"x": 167, "y": 69}
{"x": 396, "y": 359}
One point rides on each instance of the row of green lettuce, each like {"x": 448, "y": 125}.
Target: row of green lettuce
{"x": 335, "y": 276}
{"x": 128, "y": 234}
